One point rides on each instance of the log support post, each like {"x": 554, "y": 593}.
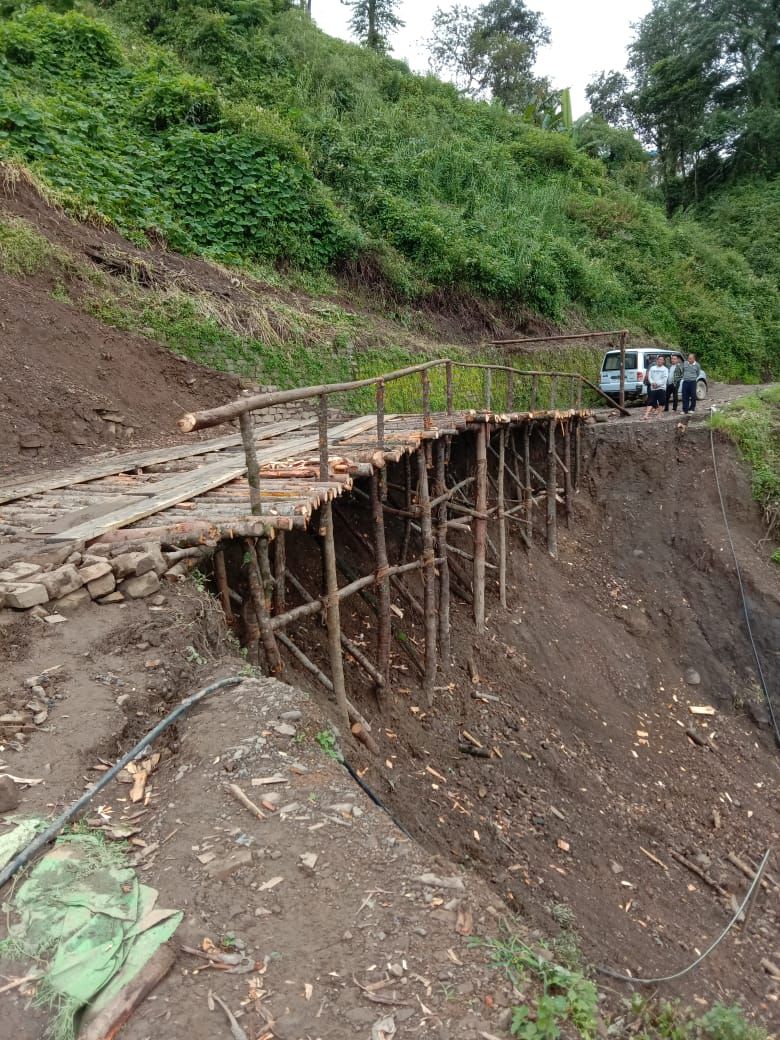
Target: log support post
{"x": 408, "y": 509}
{"x": 480, "y": 528}
{"x": 384, "y": 633}
{"x": 252, "y": 465}
{"x": 220, "y": 574}
{"x": 501, "y": 517}
{"x": 429, "y": 577}
{"x": 440, "y": 490}
{"x": 567, "y": 481}
{"x": 261, "y": 609}
{"x": 528, "y": 494}
{"x": 552, "y": 489}
{"x": 280, "y": 563}
{"x": 577, "y": 452}
{"x": 332, "y": 609}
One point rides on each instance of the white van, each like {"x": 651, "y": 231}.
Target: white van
{"x": 638, "y": 361}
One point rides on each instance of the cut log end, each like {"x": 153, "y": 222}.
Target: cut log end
{"x": 187, "y": 423}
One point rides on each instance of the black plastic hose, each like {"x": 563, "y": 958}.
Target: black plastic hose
{"x": 56, "y": 826}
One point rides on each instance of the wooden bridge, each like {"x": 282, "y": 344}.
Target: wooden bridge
{"x": 271, "y": 479}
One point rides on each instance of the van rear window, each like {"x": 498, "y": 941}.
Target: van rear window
{"x": 612, "y": 361}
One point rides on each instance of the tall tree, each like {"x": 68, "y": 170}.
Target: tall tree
{"x": 704, "y": 92}
{"x": 490, "y": 50}
{"x": 372, "y": 21}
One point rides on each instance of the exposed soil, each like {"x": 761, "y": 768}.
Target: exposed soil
{"x": 593, "y": 773}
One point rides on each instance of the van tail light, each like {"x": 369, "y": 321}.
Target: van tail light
{"x": 640, "y": 374}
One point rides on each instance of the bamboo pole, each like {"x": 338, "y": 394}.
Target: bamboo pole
{"x": 261, "y": 610}
{"x": 332, "y": 612}
{"x": 480, "y": 528}
{"x": 220, "y": 574}
{"x": 501, "y": 517}
{"x": 552, "y": 487}
{"x": 429, "y": 577}
{"x": 441, "y": 550}
{"x": 567, "y": 481}
{"x": 382, "y": 578}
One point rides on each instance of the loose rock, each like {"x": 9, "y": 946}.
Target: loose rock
{"x": 9, "y": 794}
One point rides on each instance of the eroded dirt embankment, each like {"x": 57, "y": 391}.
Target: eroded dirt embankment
{"x": 592, "y": 782}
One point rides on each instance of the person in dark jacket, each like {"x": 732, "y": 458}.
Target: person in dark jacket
{"x": 673, "y": 382}
{"x": 691, "y": 370}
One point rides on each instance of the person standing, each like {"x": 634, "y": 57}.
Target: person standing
{"x": 673, "y": 382}
{"x": 691, "y": 370}
{"x": 656, "y": 392}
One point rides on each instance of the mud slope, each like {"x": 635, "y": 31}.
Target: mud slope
{"x": 594, "y": 783}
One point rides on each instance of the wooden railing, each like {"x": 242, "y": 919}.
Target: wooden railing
{"x": 545, "y": 393}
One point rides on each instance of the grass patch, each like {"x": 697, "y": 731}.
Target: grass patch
{"x": 753, "y": 423}
{"x": 23, "y": 251}
{"x": 651, "y": 1019}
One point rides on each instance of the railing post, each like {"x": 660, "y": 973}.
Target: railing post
{"x": 252, "y": 465}
{"x": 426, "y": 400}
{"x": 322, "y": 415}
{"x": 448, "y": 376}
{"x": 488, "y": 388}
{"x": 380, "y": 415}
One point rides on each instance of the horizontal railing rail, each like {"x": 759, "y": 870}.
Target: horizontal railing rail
{"x": 545, "y": 392}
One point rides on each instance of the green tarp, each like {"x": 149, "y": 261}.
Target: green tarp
{"x": 86, "y": 916}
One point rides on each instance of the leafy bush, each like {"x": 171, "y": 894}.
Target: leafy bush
{"x": 244, "y": 133}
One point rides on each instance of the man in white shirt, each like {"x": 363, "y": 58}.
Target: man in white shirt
{"x": 657, "y": 379}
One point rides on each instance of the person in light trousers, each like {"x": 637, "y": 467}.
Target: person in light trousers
{"x": 691, "y": 370}
{"x": 656, "y": 391}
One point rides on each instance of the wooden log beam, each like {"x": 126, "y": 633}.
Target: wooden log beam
{"x": 480, "y": 528}
{"x": 258, "y": 599}
{"x": 384, "y": 628}
{"x": 501, "y": 517}
{"x": 429, "y": 578}
{"x": 441, "y": 549}
{"x": 220, "y": 576}
{"x": 332, "y": 610}
{"x": 552, "y": 486}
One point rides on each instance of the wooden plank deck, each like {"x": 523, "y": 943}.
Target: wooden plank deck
{"x": 209, "y": 483}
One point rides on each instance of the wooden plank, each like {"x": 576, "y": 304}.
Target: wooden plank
{"x": 137, "y": 460}
{"x": 204, "y": 479}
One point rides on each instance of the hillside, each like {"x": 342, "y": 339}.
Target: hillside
{"x": 337, "y": 170}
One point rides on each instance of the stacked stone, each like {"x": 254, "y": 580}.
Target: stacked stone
{"x": 70, "y": 576}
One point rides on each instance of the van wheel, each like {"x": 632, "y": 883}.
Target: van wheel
{"x": 701, "y": 390}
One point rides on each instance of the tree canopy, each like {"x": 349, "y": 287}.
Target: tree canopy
{"x": 372, "y": 21}
{"x": 703, "y": 90}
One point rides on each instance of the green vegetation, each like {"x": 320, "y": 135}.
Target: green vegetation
{"x": 664, "y": 1020}
{"x": 22, "y": 249}
{"x": 561, "y": 1001}
{"x": 567, "y": 998}
{"x": 326, "y": 738}
{"x": 241, "y": 132}
{"x": 753, "y": 423}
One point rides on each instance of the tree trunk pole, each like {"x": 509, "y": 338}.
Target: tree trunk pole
{"x": 261, "y": 610}
{"x": 480, "y": 528}
{"x": 384, "y": 633}
{"x": 408, "y": 507}
{"x": 577, "y": 452}
{"x": 501, "y": 518}
{"x": 567, "y": 482}
{"x": 552, "y": 489}
{"x": 280, "y": 563}
{"x": 441, "y": 550}
{"x": 220, "y": 573}
{"x": 332, "y": 612}
{"x": 252, "y": 465}
{"x": 528, "y": 495}
{"x": 429, "y": 578}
